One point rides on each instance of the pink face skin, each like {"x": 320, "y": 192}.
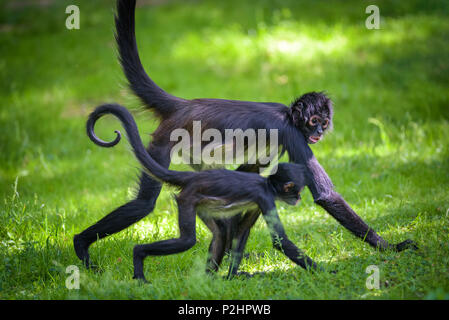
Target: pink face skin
{"x": 314, "y": 139}
{"x": 317, "y": 125}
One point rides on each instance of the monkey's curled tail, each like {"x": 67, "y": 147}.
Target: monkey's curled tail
{"x": 146, "y": 89}
{"x": 153, "y": 168}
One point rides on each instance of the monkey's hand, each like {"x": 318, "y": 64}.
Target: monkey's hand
{"x": 407, "y": 244}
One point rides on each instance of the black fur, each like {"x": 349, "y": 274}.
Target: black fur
{"x": 145, "y": 88}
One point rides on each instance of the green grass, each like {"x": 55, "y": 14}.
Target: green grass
{"x": 387, "y": 155}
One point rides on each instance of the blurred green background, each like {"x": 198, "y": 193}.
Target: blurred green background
{"x": 387, "y": 155}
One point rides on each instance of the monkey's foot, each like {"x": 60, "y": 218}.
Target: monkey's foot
{"x": 211, "y": 272}
{"x": 244, "y": 275}
{"x": 407, "y": 244}
{"x": 141, "y": 279}
{"x": 82, "y": 250}
{"x": 138, "y": 265}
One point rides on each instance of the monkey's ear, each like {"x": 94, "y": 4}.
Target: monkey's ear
{"x": 288, "y": 186}
{"x": 296, "y": 116}
{"x": 296, "y": 112}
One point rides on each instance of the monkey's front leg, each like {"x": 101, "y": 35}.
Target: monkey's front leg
{"x": 342, "y": 212}
{"x": 282, "y": 243}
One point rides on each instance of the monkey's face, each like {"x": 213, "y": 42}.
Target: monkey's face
{"x": 291, "y": 193}
{"x": 315, "y": 128}
{"x": 289, "y": 181}
{"x": 312, "y": 114}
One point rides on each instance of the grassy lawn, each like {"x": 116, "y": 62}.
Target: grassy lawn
{"x": 387, "y": 155}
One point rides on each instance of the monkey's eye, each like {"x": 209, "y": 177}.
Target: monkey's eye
{"x": 313, "y": 120}
{"x": 288, "y": 186}
{"x": 325, "y": 123}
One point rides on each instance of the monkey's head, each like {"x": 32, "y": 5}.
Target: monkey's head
{"x": 312, "y": 114}
{"x": 288, "y": 182}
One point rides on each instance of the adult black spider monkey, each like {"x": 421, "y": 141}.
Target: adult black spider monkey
{"x": 212, "y": 194}
{"x": 304, "y": 122}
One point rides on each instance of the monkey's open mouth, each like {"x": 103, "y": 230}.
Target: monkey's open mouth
{"x": 314, "y": 139}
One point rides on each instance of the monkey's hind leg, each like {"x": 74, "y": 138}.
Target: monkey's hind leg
{"x": 186, "y": 240}
{"x": 239, "y": 241}
{"x": 217, "y": 245}
{"x": 116, "y": 221}
{"x": 126, "y": 215}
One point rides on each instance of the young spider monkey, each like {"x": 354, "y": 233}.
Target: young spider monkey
{"x": 212, "y": 194}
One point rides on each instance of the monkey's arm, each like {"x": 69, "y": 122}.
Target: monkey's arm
{"x": 337, "y": 207}
{"x": 342, "y": 212}
{"x": 281, "y": 241}
{"x": 324, "y": 195}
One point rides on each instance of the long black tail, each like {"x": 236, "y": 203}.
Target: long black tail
{"x": 153, "y": 168}
{"x": 149, "y": 92}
